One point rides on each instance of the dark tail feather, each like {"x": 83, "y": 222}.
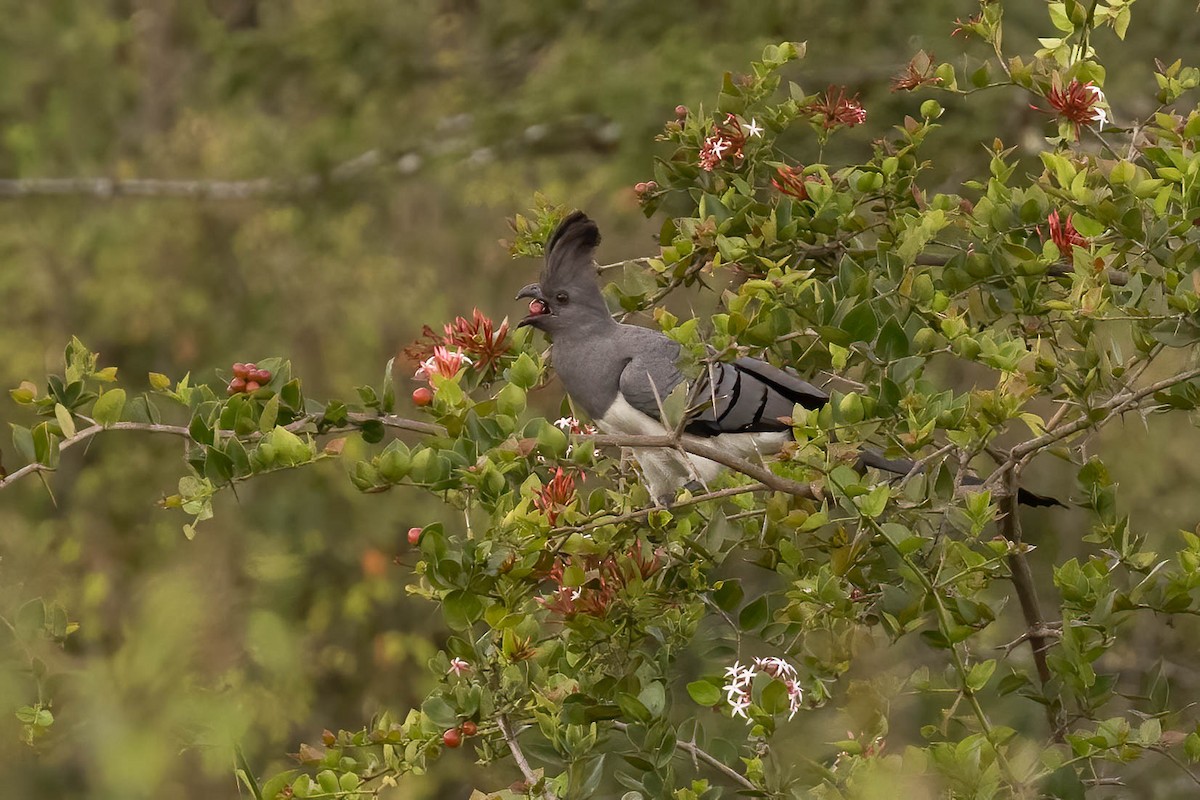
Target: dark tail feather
{"x": 903, "y": 466}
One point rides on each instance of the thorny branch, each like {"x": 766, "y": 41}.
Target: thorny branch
{"x": 518, "y": 755}
{"x": 700, "y": 755}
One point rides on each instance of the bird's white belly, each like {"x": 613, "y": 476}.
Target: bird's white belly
{"x": 666, "y": 470}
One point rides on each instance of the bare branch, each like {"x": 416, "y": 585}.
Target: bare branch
{"x": 1022, "y": 579}
{"x": 1120, "y": 402}
{"x": 390, "y": 421}
{"x": 606, "y": 519}
{"x": 518, "y": 755}
{"x": 700, "y": 755}
{"x": 195, "y": 189}
{"x": 88, "y": 433}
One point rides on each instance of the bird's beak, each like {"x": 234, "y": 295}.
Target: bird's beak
{"x": 538, "y": 306}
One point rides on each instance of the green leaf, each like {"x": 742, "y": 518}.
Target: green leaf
{"x": 860, "y": 324}
{"x": 728, "y": 595}
{"x": 754, "y": 615}
{"x": 980, "y": 674}
{"x": 45, "y": 445}
{"x": 525, "y": 372}
{"x": 892, "y": 343}
{"x": 462, "y": 608}
{"x": 372, "y": 431}
{"x": 109, "y": 406}
{"x": 23, "y": 442}
{"x": 654, "y": 698}
{"x": 65, "y": 420}
{"x": 159, "y": 382}
{"x": 707, "y": 694}
{"x": 872, "y": 504}
{"x": 1191, "y": 746}
{"x": 270, "y": 414}
{"x": 389, "y": 388}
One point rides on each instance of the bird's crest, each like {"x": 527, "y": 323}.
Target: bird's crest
{"x": 569, "y": 251}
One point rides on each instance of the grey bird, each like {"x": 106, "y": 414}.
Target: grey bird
{"x": 620, "y": 375}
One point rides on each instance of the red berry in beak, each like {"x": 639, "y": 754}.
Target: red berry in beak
{"x": 537, "y": 307}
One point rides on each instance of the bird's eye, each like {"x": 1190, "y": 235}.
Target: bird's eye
{"x": 562, "y": 297}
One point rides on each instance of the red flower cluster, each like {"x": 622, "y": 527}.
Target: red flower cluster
{"x": 598, "y": 593}
{"x": 444, "y": 362}
{"x": 1063, "y": 234}
{"x": 726, "y": 142}
{"x": 836, "y": 109}
{"x": 477, "y": 337}
{"x": 919, "y": 72}
{"x": 790, "y": 181}
{"x": 1078, "y": 103}
{"x": 967, "y": 26}
{"x": 556, "y": 494}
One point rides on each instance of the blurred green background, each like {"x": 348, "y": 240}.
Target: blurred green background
{"x": 287, "y": 614}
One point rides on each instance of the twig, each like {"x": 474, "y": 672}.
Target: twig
{"x": 698, "y": 754}
{"x": 197, "y": 189}
{"x": 88, "y": 433}
{"x": 531, "y": 777}
{"x": 1115, "y": 277}
{"x": 390, "y": 421}
{"x": 643, "y": 512}
{"x": 1022, "y": 579}
{"x": 1117, "y": 404}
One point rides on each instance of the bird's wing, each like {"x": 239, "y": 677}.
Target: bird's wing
{"x": 749, "y": 395}
{"x": 745, "y": 396}
{"x": 652, "y": 371}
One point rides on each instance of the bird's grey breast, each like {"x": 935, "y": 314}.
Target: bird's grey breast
{"x": 590, "y": 370}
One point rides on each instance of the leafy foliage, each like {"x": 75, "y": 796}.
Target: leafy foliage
{"x": 602, "y": 638}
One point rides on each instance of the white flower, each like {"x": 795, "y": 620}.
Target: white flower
{"x": 795, "y": 695}
{"x": 775, "y": 667}
{"x": 752, "y": 129}
{"x": 738, "y": 708}
{"x": 1098, "y": 114}
{"x": 458, "y": 667}
{"x": 567, "y": 423}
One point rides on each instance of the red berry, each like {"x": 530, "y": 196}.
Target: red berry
{"x": 236, "y": 386}
{"x": 640, "y": 188}
{"x": 681, "y": 111}
{"x": 250, "y": 365}
{"x": 240, "y": 371}
{"x": 252, "y": 387}
{"x": 262, "y": 376}
{"x": 469, "y": 728}
{"x": 414, "y": 535}
{"x": 452, "y": 737}
{"x": 422, "y": 396}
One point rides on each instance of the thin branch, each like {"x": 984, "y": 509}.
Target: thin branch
{"x": 531, "y": 777}
{"x": 88, "y": 433}
{"x": 196, "y": 189}
{"x": 390, "y": 421}
{"x": 1121, "y": 402}
{"x": 700, "y": 755}
{"x": 1115, "y": 277}
{"x": 696, "y": 446}
{"x": 1022, "y": 578}
{"x": 605, "y": 519}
